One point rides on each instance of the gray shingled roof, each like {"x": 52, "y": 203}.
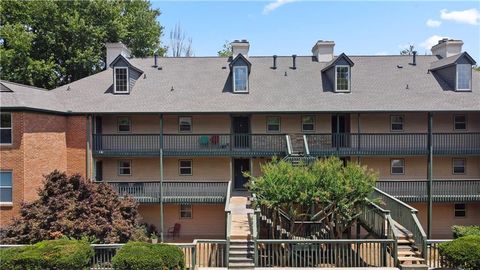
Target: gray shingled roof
{"x": 447, "y": 61}
{"x": 199, "y": 85}
{"x": 24, "y": 96}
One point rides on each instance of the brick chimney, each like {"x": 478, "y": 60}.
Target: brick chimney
{"x": 115, "y": 49}
{"x": 240, "y": 46}
{"x": 447, "y": 47}
{"x": 323, "y": 50}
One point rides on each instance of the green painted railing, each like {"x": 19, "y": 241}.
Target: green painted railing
{"x": 392, "y": 143}
{"x": 434, "y": 259}
{"x": 442, "y": 190}
{"x": 173, "y": 191}
{"x": 189, "y": 144}
{"x": 228, "y": 217}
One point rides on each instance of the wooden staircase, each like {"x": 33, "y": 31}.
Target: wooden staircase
{"x": 408, "y": 255}
{"x": 240, "y": 254}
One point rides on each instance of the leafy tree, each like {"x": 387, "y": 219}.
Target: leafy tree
{"x": 73, "y": 207}
{"x": 49, "y": 43}
{"x": 408, "y": 51}
{"x": 302, "y": 191}
{"x": 226, "y": 50}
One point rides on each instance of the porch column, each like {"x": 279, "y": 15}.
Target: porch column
{"x": 161, "y": 177}
{"x": 429, "y": 173}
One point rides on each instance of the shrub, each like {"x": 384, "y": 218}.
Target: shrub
{"x": 463, "y": 252}
{"x": 141, "y": 256}
{"x": 460, "y": 231}
{"x": 51, "y": 254}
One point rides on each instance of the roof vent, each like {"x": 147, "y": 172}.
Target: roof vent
{"x": 155, "y": 64}
{"x": 294, "y": 61}
{"x": 274, "y": 62}
{"x": 414, "y": 58}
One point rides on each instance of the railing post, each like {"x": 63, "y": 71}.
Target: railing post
{"x": 429, "y": 173}
{"x": 161, "y": 177}
{"x": 194, "y": 256}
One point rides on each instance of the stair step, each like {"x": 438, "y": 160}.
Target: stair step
{"x": 405, "y": 241}
{"x": 411, "y": 259}
{"x": 407, "y": 252}
{"x": 413, "y": 267}
{"x": 240, "y": 265}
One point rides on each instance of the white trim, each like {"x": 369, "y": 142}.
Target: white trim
{"x": 459, "y": 210}
{"x": 246, "y": 78}
{"x": 121, "y": 167}
{"x": 403, "y": 166}
{"x": 191, "y": 211}
{"x": 455, "y": 122}
{"x": 180, "y": 167}
{"x": 464, "y": 166}
{"x": 279, "y": 124}
{"x": 391, "y": 123}
{"x": 179, "y": 125}
{"x": 348, "y": 81}
{"x": 129, "y": 124}
{"x": 456, "y": 79}
{"x": 11, "y": 187}
{"x": 314, "y": 122}
{"x": 10, "y": 128}
{"x": 115, "y": 81}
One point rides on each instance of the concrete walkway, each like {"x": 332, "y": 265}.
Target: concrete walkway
{"x": 240, "y": 225}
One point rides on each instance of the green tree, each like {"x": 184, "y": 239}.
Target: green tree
{"x": 49, "y": 43}
{"x": 226, "y": 50}
{"x": 408, "y": 51}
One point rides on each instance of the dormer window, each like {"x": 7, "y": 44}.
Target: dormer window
{"x": 342, "y": 78}
{"x": 120, "y": 84}
{"x": 240, "y": 79}
{"x": 464, "y": 77}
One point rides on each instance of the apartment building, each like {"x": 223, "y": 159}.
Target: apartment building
{"x": 173, "y": 132}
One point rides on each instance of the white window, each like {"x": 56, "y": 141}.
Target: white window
{"x": 308, "y": 123}
{"x": 6, "y": 128}
{"x": 6, "y": 187}
{"x": 464, "y": 77}
{"x": 342, "y": 78}
{"x": 240, "y": 79}
{"x": 125, "y": 167}
{"x": 124, "y": 124}
{"x": 396, "y": 123}
{"x": 460, "y": 122}
{"x": 460, "y": 210}
{"x": 397, "y": 166}
{"x": 459, "y": 165}
{"x": 120, "y": 82}
{"x": 186, "y": 211}
{"x": 185, "y": 167}
{"x": 273, "y": 124}
{"x": 185, "y": 124}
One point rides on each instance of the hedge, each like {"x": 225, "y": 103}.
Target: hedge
{"x": 460, "y": 231}
{"x": 463, "y": 252}
{"x": 141, "y": 256}
{"x": 49, "y": 254}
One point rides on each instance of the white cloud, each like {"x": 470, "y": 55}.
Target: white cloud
{"x": 381, "y": 53}
{"x": 274, "y": 5}
{"x": 429, "y": 42}
{"x": 433, "y": 23}
{"x": 469, "y": 16}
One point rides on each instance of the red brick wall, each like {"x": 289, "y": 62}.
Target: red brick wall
{"x": 41, "y": 143}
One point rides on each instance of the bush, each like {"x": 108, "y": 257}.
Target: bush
{"x": 460, "y": 231}
{"x": 141, "y": 256}
{"x": 463, "y": 252}
{"x": 51, "y": 254}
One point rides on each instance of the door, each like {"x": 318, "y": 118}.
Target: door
{"x": 97, "y": 138}
{"x": 240, "y": 165}
{"x": 241, "y": 131}
{"x": 341, "y": 130}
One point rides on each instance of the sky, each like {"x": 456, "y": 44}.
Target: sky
{"x": 286, "y": 27}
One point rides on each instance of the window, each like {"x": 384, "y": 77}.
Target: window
{"x": 397, "y": 166}
{"x": 464, "y": 77}
{"x": 460, "y": 122}
{"x": 125, "y": 167}
{"x": 185, "y": 124}
{"x": 121, "y": 80}
{"x": 459, "y": 165}
{"x": 6, "y": 128}
{"x": 185, "y": 167}
{"x": 273, "y": 124}
{"x": 5, "y": 187}
{"x": 342, "y": 78}
{"x": 240, "y": 79}
{"x": 396, "y": 123}
{"x": 186, "y": 211}
{"x": 308, "y": 123}
{"x": 460, "y": 210}
{"x": 123, "y": 124}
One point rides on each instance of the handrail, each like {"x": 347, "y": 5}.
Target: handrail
{"x": 305, "y": 145}
{"x": 228, "y": 213}
{"x": 289, "y": 144}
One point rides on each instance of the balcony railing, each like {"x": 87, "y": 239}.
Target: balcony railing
{"x": 392, "y": 144}
{"x": 189, "y": 144}
{"x": 173, "y": 191}
{"x": 442, "y": 190}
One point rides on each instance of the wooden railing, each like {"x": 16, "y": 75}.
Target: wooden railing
{"x": 228, "y": 217}
{"x": 434, "y": 259}
{"x": 392, "y": 143}
{"x": 442, "y": 190}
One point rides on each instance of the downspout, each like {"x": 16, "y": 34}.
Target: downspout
{"x": 161, "y": 177}
{"x": 358, "y": 136}
{"x": 88, "y": 150}
{"x": 429, "y": 173}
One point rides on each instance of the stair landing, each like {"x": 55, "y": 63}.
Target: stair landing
{"x": 240, "y": 227}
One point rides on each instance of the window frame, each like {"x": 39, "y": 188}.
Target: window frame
{"x": 464, "y": 166}
{"x": 455, "y": 210}
{"x": 129, "y": 124}
{"x": 457, "y": 78}
{"x": 119, "y": 168}
{"x": 186, "y": 211}
{"x": 279, "y": 124}
{"x": 10, "y": 128}
{"x": 403, "y": 166}
{"x": 179, "y": 125}
{"x": 348, "y": 79}
{"x": 314, "y": 122}
{"x": 455, "y": 122}
{"x": 391, "y": 123}
{"x": 11, "y": 188}
{"x": 246, "y": 80}
{"x": 115, "y": 80}
{"x": 180, "y": 167}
